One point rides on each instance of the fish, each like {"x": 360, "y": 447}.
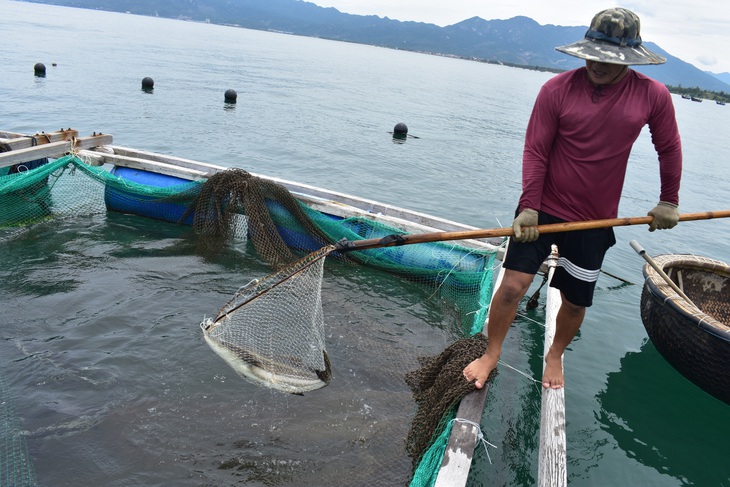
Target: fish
{"x": 266, "y": 372}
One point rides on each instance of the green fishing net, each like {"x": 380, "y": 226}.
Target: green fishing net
{"x": 455, "y": 279}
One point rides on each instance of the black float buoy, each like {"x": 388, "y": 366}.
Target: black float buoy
{"x": 400, "y": 131}
{"x": 148, "y": 84}
{"x": 40, "y": 69}
{"x": 230, "y": 96}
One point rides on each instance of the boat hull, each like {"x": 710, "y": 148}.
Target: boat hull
{"x": 693, "y": 338}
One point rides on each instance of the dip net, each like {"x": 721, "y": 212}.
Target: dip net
{"x": 273, "y": 330}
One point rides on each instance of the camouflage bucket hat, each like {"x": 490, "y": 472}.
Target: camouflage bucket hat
{"x": 613, "y": 38}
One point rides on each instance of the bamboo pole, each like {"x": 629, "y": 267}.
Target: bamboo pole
{"x": 395, "y": 240}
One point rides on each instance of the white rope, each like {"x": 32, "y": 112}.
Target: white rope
{"x": 527, "y": 318}
{"x": 480, "y": 435}
{"x": 518, "y": 371}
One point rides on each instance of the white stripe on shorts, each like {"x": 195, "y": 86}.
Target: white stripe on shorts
{"x": 579, "y": 273}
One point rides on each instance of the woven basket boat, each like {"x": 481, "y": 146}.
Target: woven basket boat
{"x": 693, "y": 338}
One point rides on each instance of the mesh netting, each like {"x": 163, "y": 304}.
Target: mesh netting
{"x": 16, "y": 468}
{"x": 438, "y": 386}
{"x": 459, "y": 277}
{"x": 272, "y": 331}
{"x": 228, "y": 194}
{"x": 67, "y": 188}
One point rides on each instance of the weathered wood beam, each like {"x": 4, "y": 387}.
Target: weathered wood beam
{"x": 190, "y": 174}
{"x": 367, "y": 205}
{"x": 455, "y": 465}
{"x": 20, "y": 141}
{"x": 552, "y": 470}
{"x": 171, "y": 160}
{"x": 53, "y": 149}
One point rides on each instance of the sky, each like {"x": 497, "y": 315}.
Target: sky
{"x": 697, "y": 32}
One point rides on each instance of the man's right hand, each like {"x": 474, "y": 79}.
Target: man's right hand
{"x": 524, "y": 226}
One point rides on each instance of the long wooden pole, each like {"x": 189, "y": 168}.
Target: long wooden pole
{"x": 395, "y": 240}
{"x": 640, "y": 250}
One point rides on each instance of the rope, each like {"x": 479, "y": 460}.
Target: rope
{"x": 527, "y": 318}
{"x": 519, "y": 371}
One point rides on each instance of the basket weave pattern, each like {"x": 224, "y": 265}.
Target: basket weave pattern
{"x": 693, "y": 338}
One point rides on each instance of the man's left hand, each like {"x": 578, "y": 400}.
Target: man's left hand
{"x": 666, "y": 215}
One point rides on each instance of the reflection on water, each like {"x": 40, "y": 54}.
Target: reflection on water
{"x": 511, "y": 418}
{"x": 119, "y": 388}
{"x": 646, "y": 408}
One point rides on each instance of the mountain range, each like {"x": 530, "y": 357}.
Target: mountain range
{"x": 519, "y": 41}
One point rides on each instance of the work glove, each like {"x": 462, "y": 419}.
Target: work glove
{"x": 666, "y": 215}
{"x": 527, "y": 218}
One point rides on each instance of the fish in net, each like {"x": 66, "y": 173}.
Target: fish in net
{"x": 272, "y": 331}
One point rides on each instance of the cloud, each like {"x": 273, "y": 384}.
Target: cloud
{"x": 707, "y": 60}
{"x": 688, "y": 31}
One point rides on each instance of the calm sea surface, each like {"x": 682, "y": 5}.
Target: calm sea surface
{"x": 100, "y": 340}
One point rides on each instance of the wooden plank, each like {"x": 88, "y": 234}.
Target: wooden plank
{"x": 20, "y": 141}
{"x": 10, "y": 135}
{"x": 53, "y": 149}
{"x": 165, "y": 159}
{"x": 455, "y": 465}
{"x": 552, "y": 470}
{"x": 145, "y": 165}
{"x": 32, "y": 153}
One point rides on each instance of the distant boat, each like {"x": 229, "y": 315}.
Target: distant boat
{"x": 686, "y": 97}
{"x": 719, "y": 102}
{"x": 694, "y": 98}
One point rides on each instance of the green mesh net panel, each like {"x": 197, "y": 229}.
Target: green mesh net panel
{"x": 296, "y": 240}
{"x": 68, "y": 188}
{"x": 16, "y": 469}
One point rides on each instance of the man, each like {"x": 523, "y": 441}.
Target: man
{"x": 577, "y": 146}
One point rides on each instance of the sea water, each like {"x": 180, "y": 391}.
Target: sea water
{"x": 100, "y": 338}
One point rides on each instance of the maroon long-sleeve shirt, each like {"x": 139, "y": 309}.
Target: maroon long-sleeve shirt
{"x": 576, "y": 149}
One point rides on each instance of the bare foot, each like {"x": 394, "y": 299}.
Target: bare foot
{"x": 479, "y": 370}
{"x": 553, "y": 377}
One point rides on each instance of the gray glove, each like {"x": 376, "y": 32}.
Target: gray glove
{"x": 666, "y": 215}
{"x": 527, "y": 218}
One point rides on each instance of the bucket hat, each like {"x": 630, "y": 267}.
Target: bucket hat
{"x": 613, "y": 38}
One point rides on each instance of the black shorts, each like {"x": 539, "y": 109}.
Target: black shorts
{"x": 580, "y": 252}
